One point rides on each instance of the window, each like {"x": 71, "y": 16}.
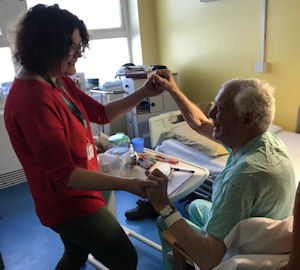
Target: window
{"x": 104, "y": 58}
{"x": 97, "y": 14}
{"x": 7, "y": 72}
{"x": 9, "y": 11}
{"x": 107, "y": 24}
{"x": 6, "y": 67}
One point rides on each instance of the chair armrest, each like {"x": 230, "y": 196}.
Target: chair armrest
{"x": 170, "y": 239}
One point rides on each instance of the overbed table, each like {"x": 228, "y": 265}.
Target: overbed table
{"x": 191, "y": 184}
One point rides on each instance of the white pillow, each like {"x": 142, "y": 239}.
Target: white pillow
{"x": 185, "y": 134}
{"x": 258, "y": 244}
{"x": 255, "y": 262}
{"x": 260, "y": 235}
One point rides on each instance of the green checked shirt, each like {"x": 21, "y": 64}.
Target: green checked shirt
{"x": 258, "y": 182}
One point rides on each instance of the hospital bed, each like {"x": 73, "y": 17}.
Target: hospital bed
{"x": 170, "y": 134}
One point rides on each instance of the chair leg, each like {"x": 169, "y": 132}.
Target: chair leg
{"x": 179, "y": 262}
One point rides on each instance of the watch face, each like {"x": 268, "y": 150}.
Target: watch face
{"x": 166, "y": 211}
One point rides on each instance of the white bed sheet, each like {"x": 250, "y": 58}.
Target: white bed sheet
{"x": 292, "y": 143}
{"x": 175, "y": 148}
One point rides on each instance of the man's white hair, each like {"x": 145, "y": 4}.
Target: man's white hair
{"x": 256, "y": 97}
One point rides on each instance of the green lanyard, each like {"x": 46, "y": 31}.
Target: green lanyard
{"x": 73, "y": 108}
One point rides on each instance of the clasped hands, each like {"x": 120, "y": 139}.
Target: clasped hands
{"x": 159, "y": 81}
{"x": 157, "y": 193}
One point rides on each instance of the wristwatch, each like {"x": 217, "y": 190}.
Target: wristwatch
{"x": 167, "y": 211}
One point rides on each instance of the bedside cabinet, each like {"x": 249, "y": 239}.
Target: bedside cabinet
{"x": 137, "y": 119}
{"x": 115, "y": 126}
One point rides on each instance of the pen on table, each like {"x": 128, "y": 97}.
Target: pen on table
{"x": 167, "y": 160}
{"x": 147, "y": 160}
{"x": 142, "y": 165}
{"x": 149, "y": 156}
{"x": 159, "y": 156}
{"x": 181, "y": 170}
{"x": 147, "y": 164}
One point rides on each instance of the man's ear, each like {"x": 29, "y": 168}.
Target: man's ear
{"x": 249, "y": 120}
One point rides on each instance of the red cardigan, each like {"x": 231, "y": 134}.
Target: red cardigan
{"x": 50, "y": 142}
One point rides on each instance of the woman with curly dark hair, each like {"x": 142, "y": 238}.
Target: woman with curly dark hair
{"x": 48, "y": 121}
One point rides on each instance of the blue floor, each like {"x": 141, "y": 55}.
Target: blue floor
{"x": 27, "y": 245}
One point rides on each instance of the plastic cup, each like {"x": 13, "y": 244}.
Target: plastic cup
{"x": 138, "y": 144}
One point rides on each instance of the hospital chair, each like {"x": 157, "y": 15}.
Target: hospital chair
{"x": 181, "y": 258}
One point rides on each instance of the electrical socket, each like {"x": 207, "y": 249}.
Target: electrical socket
{"x": 260, "y": 66}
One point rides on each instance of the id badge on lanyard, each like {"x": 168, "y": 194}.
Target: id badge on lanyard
{"x": 89, "y": 150}
{"x": 73, "y": 108}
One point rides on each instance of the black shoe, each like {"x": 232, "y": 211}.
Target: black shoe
{"x": 143, "y": 210}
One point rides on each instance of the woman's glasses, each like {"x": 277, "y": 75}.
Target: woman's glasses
{"x": 76, "y": 49}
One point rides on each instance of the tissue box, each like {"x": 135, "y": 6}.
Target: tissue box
{"x": 117, "y": 159}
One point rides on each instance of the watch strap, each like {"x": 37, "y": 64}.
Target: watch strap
{"x": 167, "y": 210}
{"x": 171, "y": 219}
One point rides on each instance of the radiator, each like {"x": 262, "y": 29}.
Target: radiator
{"x": 12, "y": 178}
{"x": 11, "y": 171}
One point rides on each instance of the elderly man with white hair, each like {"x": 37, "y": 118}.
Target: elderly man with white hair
{"x": 258, "y": 180}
